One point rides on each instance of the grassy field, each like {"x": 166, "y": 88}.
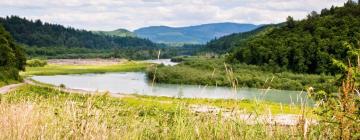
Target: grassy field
{"x": 33, "y": 112}
{"x": 53, "y": 69}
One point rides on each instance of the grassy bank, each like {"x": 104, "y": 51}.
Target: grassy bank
{"x": 213, "y": 71}
{"x": 53, "y": 69}
{"x": 33, "y": 112}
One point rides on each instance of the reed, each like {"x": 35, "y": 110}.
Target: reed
{"x": 33, "y": 112}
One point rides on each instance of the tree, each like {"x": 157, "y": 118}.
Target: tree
{"x": 12, "y": 57}
{"x": 350, "y": 3}
{"x": 290, "y": 22}
{"x": 305, "y": 46}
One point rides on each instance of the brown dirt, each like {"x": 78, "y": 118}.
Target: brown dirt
{"x": 252, "y": 119}
{"x": 86, "y": 61}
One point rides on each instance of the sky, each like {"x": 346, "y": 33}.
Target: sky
{"x": 132, "y": 14}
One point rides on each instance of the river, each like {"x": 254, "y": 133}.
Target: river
{"x": 137, "y": 83}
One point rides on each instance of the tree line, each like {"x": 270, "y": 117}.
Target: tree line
{"x": 305, "y": 46}
{"x": 37, "y": 33}
{"x": 45, "y": 40}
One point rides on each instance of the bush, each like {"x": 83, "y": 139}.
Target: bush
{"x": 177, "y": 59}
{"x": 62, "y": 86}
{"x": 36, "y": 63}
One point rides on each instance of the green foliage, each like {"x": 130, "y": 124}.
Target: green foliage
{"x": 229, "y": 42}
{"x": 37, "y": 33}
{"x": 212, "y": 71}
{"x": 12, "y": 58}
{"x": 178, "y": 59}
{"x": 62, "y": 86}
{"x": 305, "y": 46}
{"x": 340, "y": 112}
{"x": 36, "y": 63}
{"x": 128, "y": 53}
{"x": 46, "y": 40}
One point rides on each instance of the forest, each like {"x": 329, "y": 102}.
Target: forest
{"x": 37, "y": 33}
{"x": 310, "y": 45}
{"x": 12, "y": 58}
{"x": 47, "y": 41}
{"x": 227, "y": 43}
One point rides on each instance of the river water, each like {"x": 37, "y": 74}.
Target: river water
{"x": 137, "y": 83}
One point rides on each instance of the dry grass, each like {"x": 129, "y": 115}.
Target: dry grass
{"x": 44, "y": 113}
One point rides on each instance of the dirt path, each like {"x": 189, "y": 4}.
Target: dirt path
{"x": 86, "y": 61}
{"x": 8, "y": 88}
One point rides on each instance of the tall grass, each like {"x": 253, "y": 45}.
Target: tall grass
{"x": 33, "y": 112}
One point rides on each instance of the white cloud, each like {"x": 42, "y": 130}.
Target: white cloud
{"x": 132, "y": 14}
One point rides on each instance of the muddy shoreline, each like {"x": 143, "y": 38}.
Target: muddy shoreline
{"x": 97, "y": 61}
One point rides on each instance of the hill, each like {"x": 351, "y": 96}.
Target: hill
{"x": 56, "y": 41}
{"x": 37, "y": 33}
{"x": 226, "y": 43}
{"x": 306, "y": 46}
{"x": 118, "y": 32}
{"x": 199, "y": 34}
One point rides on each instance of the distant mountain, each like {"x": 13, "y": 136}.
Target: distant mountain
{"x": 118, "y": 32}
{"x": 199, "y": 34}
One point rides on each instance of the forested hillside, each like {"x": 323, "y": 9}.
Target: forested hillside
{"x": 12, "y": 58}
{"x": 226, "y": 43}
{"x": 306, "y": 46}
{"x": 56, "y": 41}
{"x": 37, "y": 33}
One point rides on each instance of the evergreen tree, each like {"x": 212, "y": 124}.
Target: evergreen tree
{"x": 12, "y": 57}
{"x": 290, "y": 22}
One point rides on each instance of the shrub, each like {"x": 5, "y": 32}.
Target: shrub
{"x": 62, "y": 86}
{"x": 36, "y": 63}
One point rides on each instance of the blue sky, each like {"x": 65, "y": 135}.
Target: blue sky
{"x": 132, "y": 14}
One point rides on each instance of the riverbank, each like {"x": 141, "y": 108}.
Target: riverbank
{"x": 97, "y": 61}
{"x": 62, "y": 67}
{"x": 52, "y": 113}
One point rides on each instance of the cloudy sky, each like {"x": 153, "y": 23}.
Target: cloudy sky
{"x": 132, "y": 14}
